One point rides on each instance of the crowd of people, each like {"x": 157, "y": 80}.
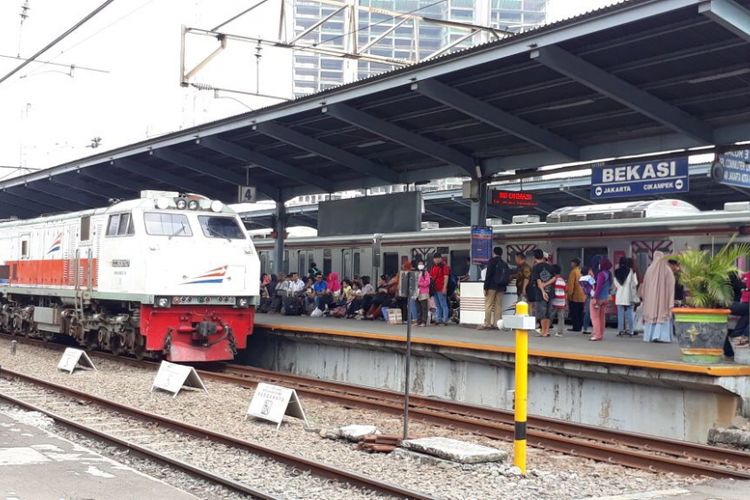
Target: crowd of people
{"x": 643, "y": 302}
{"x": 434, "y": 290}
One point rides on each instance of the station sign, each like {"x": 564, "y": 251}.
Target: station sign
{"x": 732, "y": 168}
{"x": 650, "y": 178}
{"x": 504, "y": 198}
{"x": 481, "y": 244}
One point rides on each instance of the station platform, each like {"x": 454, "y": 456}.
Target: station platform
{"x": 614, "y": 350}
{"x": 36, "y": 464}
{"x": 621, "y": 383}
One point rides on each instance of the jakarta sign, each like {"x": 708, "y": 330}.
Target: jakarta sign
{"x": 640, "y": 179}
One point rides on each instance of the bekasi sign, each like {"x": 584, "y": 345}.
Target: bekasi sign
{"x": 650, "y": 178}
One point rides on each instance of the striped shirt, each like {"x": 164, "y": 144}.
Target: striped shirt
{"x": 558, "y": 299}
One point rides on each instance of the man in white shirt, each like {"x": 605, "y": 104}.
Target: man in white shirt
{"x": 297, "y": 285}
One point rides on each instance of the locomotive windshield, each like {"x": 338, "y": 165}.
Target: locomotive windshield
{"x": 221, "y": 227}
{"x": 164, "y": 224}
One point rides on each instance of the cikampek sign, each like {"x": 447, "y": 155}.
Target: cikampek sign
{"x": 651, "y": 178}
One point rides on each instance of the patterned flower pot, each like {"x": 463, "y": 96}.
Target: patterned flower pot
{"x": 701, "y": 333}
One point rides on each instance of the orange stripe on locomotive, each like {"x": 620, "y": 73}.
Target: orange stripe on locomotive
{"x": 54, "y": 272}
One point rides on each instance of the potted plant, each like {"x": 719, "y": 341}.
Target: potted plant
{"x": 701, "y": 326}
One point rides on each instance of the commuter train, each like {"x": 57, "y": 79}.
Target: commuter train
{"x": 164, "y": 275}
{"x": 632, "y": 229}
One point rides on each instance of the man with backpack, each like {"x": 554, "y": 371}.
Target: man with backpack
{"x": 496, "y": 280}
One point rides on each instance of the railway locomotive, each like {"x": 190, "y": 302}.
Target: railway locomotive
{"x": 164, "y": 275}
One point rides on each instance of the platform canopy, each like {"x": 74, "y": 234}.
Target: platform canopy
{"x": 637, "y": 77}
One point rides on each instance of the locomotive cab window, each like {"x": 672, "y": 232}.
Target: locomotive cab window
{"x": 221, "y": 227}
{"x": 120, "y": 225}
{"x": 165, "y": 224}
{"x": 85, "y": 227}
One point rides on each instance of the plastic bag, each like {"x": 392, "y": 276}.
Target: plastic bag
{"x": 317, "y": 313}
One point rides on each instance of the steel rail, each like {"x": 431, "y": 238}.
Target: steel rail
{"x": 626, "y": 448}
{"x": 316, "y": 468}
{"x": 151, "y": 454}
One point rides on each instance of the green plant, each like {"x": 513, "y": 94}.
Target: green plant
{"x": 705, "y": 276}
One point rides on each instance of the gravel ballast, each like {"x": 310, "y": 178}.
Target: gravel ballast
{"x": 551, "y": 475}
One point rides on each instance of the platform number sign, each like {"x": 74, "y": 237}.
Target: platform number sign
{"x": 247, "y": 194}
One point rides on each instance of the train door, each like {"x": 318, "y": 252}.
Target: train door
{"x": 585, "y": 254}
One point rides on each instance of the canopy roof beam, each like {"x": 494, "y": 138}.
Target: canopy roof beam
{"x": 623, "y": 92}
{"x": 345, "y": 158}
{"x": 402, "y": 136}
{"x": 728, "y": 14}
{"x": 219, "y": 173}
{"x": 496, "y": 117}
{"x": 172, "y": 181}
{"x": 67, "y": 193}
{"x": 266, "y": 162}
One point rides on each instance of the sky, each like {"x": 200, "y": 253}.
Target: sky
{"x": 48, "y": 116}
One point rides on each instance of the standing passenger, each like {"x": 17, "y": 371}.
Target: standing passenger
{"x": 440, "y": 273}
{"x": 626, "y": 283}
{"x": 558, "y": 299}
{"x": 541, "y": 289}
{"x": 495, "y": 280}
{"x": 576, "y": 297}
{"x": 600, "y": 300}
{"x": 658, "y": 300}
{"x": 587, "y": 285}
{"x": 523, "y": 276}
{"x": 423, "y": 299}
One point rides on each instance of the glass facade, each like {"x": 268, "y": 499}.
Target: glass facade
{"x": 315, "y": 72}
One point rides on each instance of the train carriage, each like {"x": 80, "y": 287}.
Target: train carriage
{"x": 166, "y": 274}
{"x": 632, "y": 229}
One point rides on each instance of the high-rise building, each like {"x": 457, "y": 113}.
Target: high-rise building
{"x": 314, "y": 72}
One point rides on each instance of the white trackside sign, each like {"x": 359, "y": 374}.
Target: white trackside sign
{"x": 172, "y": 377}
{"x": 272, "y": 402}
{"x": 74, "y": 358}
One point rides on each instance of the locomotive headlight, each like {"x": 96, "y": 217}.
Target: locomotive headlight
{"x": 216, "y": 206}
{"x": 162, "y": 302}
{"x": 162, "y": 203}
{"x": 193, "y": 204}
{"x": 181, "y": 203}
{"x": 243, "y": 302}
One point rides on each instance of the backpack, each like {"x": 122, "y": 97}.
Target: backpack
{"x": 452, "y": 283}
{"x": 502, "y": 275}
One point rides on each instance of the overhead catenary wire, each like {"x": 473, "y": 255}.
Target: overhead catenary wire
{"x": 56, "y": 40}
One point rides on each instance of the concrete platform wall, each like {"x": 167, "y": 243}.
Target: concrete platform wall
{"x": 674, "y": 405}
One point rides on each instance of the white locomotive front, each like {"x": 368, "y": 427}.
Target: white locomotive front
{"x": 164, "y": 274}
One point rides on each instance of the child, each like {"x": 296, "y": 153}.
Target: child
{"x": 587, "y": 283}
{"x": 558, "y": 299}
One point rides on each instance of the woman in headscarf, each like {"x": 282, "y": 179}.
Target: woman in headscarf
{"x": 600, "y": 299}
{"x": 658, "y": 300}
{"x": 626, "y": 283}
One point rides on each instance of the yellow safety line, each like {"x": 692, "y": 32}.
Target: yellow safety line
{"x": 713, "y": 370}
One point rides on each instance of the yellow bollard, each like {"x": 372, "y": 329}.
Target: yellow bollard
{"x": 521, "y": 396}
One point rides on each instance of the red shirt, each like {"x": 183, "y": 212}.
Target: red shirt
{"x": 439, "y": 274}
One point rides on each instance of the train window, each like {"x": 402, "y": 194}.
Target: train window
{"x": 356, "y": 265}
{"x": 24, "y": 248}
{"x": 120, "y": 225}
{"x": 220, "y": 227}
{"x": 327, "y": 262}
{"x": 460, "y": 262}
{"x": 564, "y": 255}
{"x": 301, "y": 265}
{"x": 390, "y": 263}
{"x": 85, "y": 228}
{"x": 164, "y": 224}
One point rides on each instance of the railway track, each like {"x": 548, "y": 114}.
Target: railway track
{"x": 624, "y": 448}
{"x": 170, "y": 441}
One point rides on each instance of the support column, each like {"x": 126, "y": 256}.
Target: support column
{"x": 479, "y": 217}
{"x": 279, "y": 226}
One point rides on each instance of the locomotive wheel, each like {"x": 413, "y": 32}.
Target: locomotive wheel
{"x": 139, "y": 347}
{"x": 91, "y": 340}
{"x": 47, "y": 336}
{"x": 16, "y": 326}
{"x": 116, "y": 345}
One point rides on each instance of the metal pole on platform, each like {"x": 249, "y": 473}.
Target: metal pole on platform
{"x": 521, "y": 392}
{"x": 407, "y": 361}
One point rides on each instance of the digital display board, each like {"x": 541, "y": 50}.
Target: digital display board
{"x": 504, "y": 198}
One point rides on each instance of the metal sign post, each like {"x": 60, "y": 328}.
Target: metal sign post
{"x": 407, "y": 363}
